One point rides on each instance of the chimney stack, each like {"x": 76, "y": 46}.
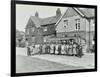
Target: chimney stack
{"x": 36, "y": 14}
{"x": 58, "y": 12}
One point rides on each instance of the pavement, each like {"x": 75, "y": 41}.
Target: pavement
{"x": 32, "y": 64}
{"x": 87, "y": 61}
{"x": 47, "y": 62}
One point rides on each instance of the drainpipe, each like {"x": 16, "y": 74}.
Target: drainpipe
{"x": 89, "y": 35}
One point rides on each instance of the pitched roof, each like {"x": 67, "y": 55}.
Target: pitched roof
{"x": 33, "y": 21}
{"x": 85, "y": 12}
{"x": 41, "y": 21}
{"x": 49, "y": 20}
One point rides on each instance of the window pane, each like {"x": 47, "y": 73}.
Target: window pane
{"x": 33, "y": 29}
{"x": 66, "y": 22}
{"x": 45, "y": 29}
{"x": 77, "y": 22}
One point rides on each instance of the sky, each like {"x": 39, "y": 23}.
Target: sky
{"x": 23, "y": 13}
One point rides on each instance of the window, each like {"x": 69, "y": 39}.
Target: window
{"x": 26, "y": 39}
{"x": 66, "y": 35}
{"x": 65, "y": 23}
{"x": 27, "y": 31}
{"x": 33, "y": 29}
{"x": 45, "y": 29}
{"x": 33, "y": 39}
{"x": 77, "y": 24}
{"x": 75, "y": 35}
{"x": 64, "y": 26}
{"x": 45, "y": 39}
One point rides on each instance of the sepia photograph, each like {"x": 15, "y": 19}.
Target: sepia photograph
{"x": 54, "y": 38}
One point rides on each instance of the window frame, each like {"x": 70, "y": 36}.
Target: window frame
{"x": 65, "y": 23}
{"x": 77, "y": 23}
{"x": 45, "y": 29}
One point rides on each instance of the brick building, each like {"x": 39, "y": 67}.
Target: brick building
{"x": 39, "y": 30}
{"x": 77, "y": 22}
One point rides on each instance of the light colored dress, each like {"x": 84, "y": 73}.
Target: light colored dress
{"x": 43, "y": 49}
{"x": 31, "y": 48}
{"x": 62, "y": 49}
{"x": 37, "y": 48}
{"x": 34, "y": 51}
{"x": 51, "y": 48}
{"x": 56, "y": 52}
{"x": 84, "y": 48}
{"x": 66, "y": 49}
{"x": 70, "y": 50}
{"x": 74, "y": 49}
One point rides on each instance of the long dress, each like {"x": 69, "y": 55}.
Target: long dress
{"x": 62, "y": 49}
{"x": 80, "y": 53}
{"x": 31, "y": 49}
{"x": 43, "y": 49}
{"x": 51, "y": 48}
{"x": 54, "y": 49}
{"x": 34, "y": 51}
{"x": 40, "y": 49}
{"x": 70, "y": 50}
{"x": 74, "y": 49}
{"x": 66, "y": 49}
{"x": 37, "y": 48}
{"x": 59, "y": 49}
{"x": 56, "y": 52}
{"x": 28, "y": 51}
{"x": 46, "y": 49}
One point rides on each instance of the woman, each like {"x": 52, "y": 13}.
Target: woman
{"x": 80, "y": 53}
{"x": 79, "y": 50}
{"x": 70, "y": 49}
{"x": 28, "y": 51}
{"x": 74, "y": 49}
{"x": 59, "y": 49}
{"x": 54, "y": 49}
{"x": 51, "y": 49}
{"x": 43, "y": 48}
{"x": 56, "y": 52}
{"x": 40, "y": 49}
{"x": 62, "y": 48}
{"x": 66, "y": 49}
{"x": 33, "y": 50}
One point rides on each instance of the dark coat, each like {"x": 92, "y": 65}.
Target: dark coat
{"x": 59, "y": 49}
{"x": 28, "y": 51}
{"x": 54, "y": 49}
{"x": 79, "y": 52}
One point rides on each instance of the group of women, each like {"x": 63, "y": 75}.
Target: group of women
{"x": 72, "y": 48}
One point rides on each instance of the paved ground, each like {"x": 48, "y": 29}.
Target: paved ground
{"x": 87, "y": 61}
{"x": 32, "y": 64}
{"x": 47, "y": 62}
{"x": 21, "y": 51}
